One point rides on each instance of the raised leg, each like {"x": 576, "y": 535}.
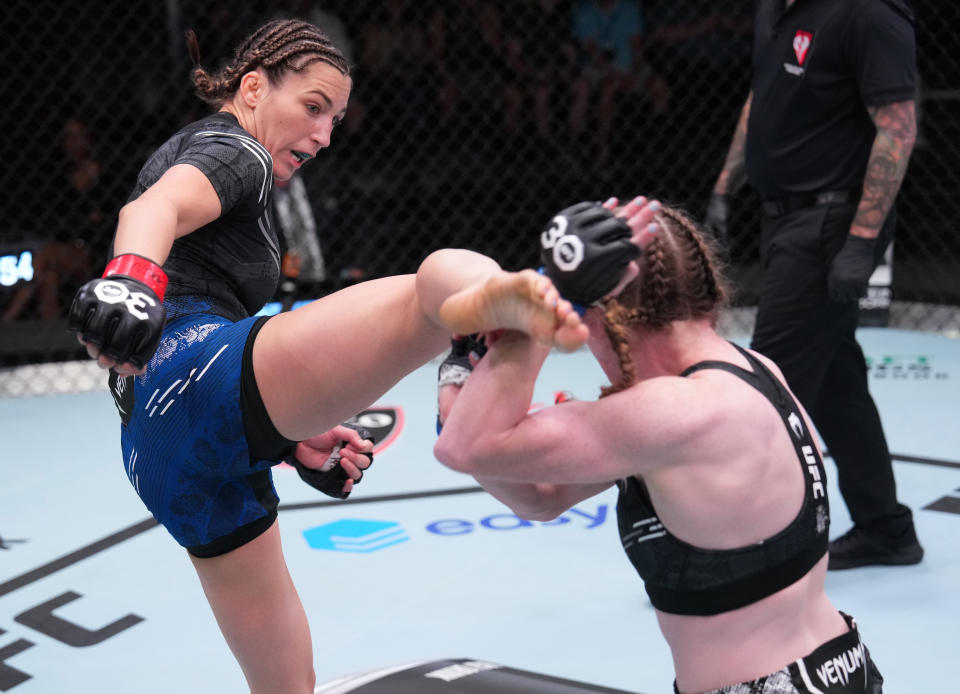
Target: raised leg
{"x": 323, "y": 363}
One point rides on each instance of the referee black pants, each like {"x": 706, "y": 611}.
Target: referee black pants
{"x": 812, "y": 340}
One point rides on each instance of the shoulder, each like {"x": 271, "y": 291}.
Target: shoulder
{"x": 235, "y": 162}
{"x": 900, "y": 8}
{"x": 672, "y": 421}
{"x": 222, "y": 131}
{"x": 669, "y": 412}
{"x": 882, "y": 12}
{"x": 769, "y": 363}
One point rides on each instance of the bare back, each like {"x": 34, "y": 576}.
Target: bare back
{"x": 739, "y": 484}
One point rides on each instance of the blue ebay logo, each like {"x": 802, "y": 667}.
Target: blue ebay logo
{"x": 365, "y": 536}
{"x": 359, "y": 536}
{"x": 508, "y": 521}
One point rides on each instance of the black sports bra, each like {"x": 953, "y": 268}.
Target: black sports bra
{"x": 688, "y": 580}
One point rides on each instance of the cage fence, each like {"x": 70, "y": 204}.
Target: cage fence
{"x": 469, "y": 125}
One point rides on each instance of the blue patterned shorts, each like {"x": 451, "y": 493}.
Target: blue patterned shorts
{"x": 184, "y": 441}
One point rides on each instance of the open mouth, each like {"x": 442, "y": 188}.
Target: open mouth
{"x": 301, "y": 156}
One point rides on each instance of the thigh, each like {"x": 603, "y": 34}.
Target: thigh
{"x": 845, "y": 391}
{"x": 322, "y": 363}
{"x": 260, "y": 615}
{"x": 797, "y": 325}
{"x": 793, "y": 311}
{"x": 794, "y": 265}
{"x": 793, "y": 294}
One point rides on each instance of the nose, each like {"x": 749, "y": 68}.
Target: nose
{"x": 321, "y": 134}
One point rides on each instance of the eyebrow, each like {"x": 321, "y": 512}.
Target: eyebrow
{"x": 341, "y": 114}
{"x": 322, "y": 95}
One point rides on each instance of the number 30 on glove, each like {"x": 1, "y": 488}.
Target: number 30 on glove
{"x": 585, "y": 250}
{"x": 122, "y": 312}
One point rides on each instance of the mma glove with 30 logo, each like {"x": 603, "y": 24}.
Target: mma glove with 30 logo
{"x": 122, "y": 312}
{"x": 585, "y": 250}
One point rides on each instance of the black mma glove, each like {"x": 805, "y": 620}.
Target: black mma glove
{"x": 851, "y": 268}
{"x": 715, "y": 218}
{"x": 585, "y": 251}
{"x": 122, "y": 312}
{"x": 330, "y": 478}
{"x": 456, "y": 368}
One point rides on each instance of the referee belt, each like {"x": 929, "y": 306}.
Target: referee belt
{"x": 777, "y": 207}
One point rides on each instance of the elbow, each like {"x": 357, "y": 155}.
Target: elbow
{"x": 910, "y": 140}
{"x": 126, "y": 211}
{"x": 471, "y": 455}
{"x": 131, "y": 208}
{"x": 542, "y": 514}
{"x": 551, "y": 503}
{"x": 452, "y": 456}
{"x": 537, "y": 502}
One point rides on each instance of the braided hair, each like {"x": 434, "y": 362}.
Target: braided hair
{"x": 278, "y": 47}
{"x": 680, "y": 279}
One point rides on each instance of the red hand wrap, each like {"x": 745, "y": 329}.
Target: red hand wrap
{"x": 139, "y": 268}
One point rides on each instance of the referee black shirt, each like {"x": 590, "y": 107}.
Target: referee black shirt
{"x": 816, "y": 67}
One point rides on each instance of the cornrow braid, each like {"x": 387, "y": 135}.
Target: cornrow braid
{"x": 704, "y": 259}
{"x": 657, "y": 293}
{"x": 280, "y": 46}
{"x": 681, "y": 279}
{"x": 615, "y": 321}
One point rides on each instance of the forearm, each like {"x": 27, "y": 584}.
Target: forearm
{"x": 146, "y": 228}
{"x": 734, "y": 173}
{"x": 492, "y": 402}
{"x": 526, "y": 499}
{"x": 541, "y": 502}
{"x": 887, "y": 165}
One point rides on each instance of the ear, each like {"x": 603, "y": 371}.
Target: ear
{"x": 252, "y": 86}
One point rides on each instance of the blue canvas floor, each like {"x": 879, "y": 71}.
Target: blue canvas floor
{"x": 94, "y": 597}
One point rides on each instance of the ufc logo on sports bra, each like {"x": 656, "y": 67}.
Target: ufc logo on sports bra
{"x": 114, "y": 293}
{"x": 817, "y": 483}
{"x": 567, "y": 248}
{"x": 801, "y": 43}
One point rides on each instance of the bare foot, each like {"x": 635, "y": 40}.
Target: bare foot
{"x": 525, "y": 301}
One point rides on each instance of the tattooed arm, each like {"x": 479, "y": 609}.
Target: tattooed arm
{"x": 849, "y": 272}
{"x": 734, "y": 173}
{"x": 732, "y": 176}
{"x": 896, "y": 133}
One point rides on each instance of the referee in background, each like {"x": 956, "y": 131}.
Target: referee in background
{"x": 824, "y": 138}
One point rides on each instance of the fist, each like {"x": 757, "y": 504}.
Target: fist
{"x": 715, "y": 219}
{"x": 850, "y": 270}
{"x": 585, "y": 250}
{"x": 121, "y": 317}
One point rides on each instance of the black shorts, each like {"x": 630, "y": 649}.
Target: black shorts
{"x": 840, "y": 666}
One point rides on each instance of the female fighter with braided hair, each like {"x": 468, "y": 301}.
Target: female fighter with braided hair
{"x": 722, "y": 507}
{"x": 210, "y": 397}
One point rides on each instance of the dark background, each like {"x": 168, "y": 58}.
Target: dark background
{"x": 440, "y": 146}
